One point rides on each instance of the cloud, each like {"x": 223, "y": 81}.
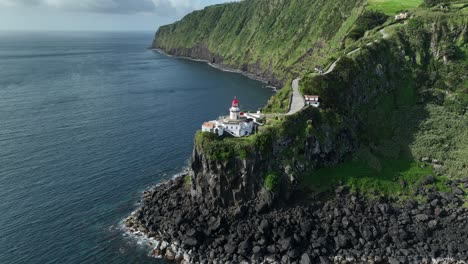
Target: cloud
{"x": 160, "y": 7}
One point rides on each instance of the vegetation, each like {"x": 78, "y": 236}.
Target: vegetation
{"x": 187, "y": 182}
{"x": 223, "y": 149}
{"x": 391, "y": 7}
{"x": 433, "y": 89}
{"x": 279, "y": 103}
{"x": 272, "y": 181}
{"x": 368, "y": 20}
{"x": 397, "y": 177}
{"x": 227, "y": 148}
{"x": 435, "y": 2}
{"x": 401, "y": 98}
{"x": 283, "y": 38}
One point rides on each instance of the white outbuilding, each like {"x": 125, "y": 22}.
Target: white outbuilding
{"x": 312, "y": 100}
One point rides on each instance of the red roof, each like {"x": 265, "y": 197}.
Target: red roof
{"x": 208, "y": 125}
{"x": 235, "y": 103}
{"x": 311, "y": 97}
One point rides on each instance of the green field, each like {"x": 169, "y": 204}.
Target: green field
{"x": 391, "y": 7}
{"x": 360, "y": 177}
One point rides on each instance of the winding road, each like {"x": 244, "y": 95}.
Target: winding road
{"x": 297, "y": 100}
{"x": 333, "y": 65}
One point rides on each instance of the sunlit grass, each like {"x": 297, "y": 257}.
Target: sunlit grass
{"x": 391, "y": 7}
{"x": 360, "y": 177}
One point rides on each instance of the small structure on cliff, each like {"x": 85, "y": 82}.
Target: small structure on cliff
{"x": 401, "y": 16}
{"x": 236, "y": 124}
{"x": 312, "y": 100}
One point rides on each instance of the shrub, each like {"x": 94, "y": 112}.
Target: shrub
{"x": 223, "y": 149}
{"x": 187, "y": 181}
{"x": 271, "y": 181}
{"x": 368, "y": 20}
{"x": 434, "y": 2}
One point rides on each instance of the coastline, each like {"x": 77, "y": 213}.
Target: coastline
{"x": 184, "y": 238}
{"x": 346, "y": 228}
{"x": 158, "y": 247}
{"x": 219, "y": 67}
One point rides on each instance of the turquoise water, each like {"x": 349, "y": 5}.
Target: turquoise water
{"x": 87, "y": 122}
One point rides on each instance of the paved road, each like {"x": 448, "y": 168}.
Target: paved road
{"x": 332, "y": 67}
{"x": 298, "y": 101}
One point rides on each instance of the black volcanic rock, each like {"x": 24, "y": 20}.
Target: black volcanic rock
{"x": 345, "y": 225}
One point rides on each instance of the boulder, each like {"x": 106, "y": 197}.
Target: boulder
{"x": 393, "y": 260}
{"x": 456, "y": 190}
{"x": 244, "y": 248}
{"x": 229, "y": 248}
{"x": 257, "y": 250}
{"x": 170, "y": 256}
{"x": 428, "y": 179}
{"x": 447, "y": 196}
{"x": 190, "y": 241}
{"x": 264, "y": 226}
{"x": 342, "y": 241}
{"x": 306, "y": 227}
{"x": 324, "y": 260}
{"x": 294, "y": 253}
{"x": 433, "y": 224}
{"x": 305, "y": 259}
{"x": 286, "y": 243}
{"x": 422, "y": 217}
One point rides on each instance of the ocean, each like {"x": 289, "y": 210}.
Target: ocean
{"x": 87, "y": 122}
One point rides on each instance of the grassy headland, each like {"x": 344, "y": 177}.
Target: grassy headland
{"x": 386, "y": 105}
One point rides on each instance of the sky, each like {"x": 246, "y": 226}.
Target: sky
{"x": 99, "y": 15}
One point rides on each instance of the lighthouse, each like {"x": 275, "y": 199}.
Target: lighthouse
{"x": 235, "y": 124}
{"x": 234, "y": 110}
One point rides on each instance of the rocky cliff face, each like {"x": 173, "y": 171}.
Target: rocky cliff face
{"x": 201, "y": 52}
{"x": 226, "y": 183}
{"x": 345, "y": 229}
{"x": 237, "y": 181}
{"x": 198, "y": 51}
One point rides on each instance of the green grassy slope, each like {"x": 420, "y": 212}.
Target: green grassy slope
{"x": 396, "y": 177}
{"x": 390, "y": 7}
{"x": 284, "y": 37}
{"x": 409, "y": 92}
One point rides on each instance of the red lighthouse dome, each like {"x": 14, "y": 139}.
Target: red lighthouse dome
{"x": 235, "y": 103}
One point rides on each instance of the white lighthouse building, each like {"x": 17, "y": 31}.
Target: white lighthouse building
{"x": 236, "y": 124}
{"x": 234, "y": 110}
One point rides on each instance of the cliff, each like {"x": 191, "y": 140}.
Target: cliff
{"x": 404, "y": 90}
{"x": 377, "y": 174}
{"x": 226, "y": 183}
{"x": 388, "y": 96}
{"x": 271, "y": 39}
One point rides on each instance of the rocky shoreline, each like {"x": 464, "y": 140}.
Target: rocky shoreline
{"x": 220, "y": 67}
{"x": 345, "y": 228}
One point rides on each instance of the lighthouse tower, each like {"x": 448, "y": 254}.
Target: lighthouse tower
{"x": 235, "y": 111}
